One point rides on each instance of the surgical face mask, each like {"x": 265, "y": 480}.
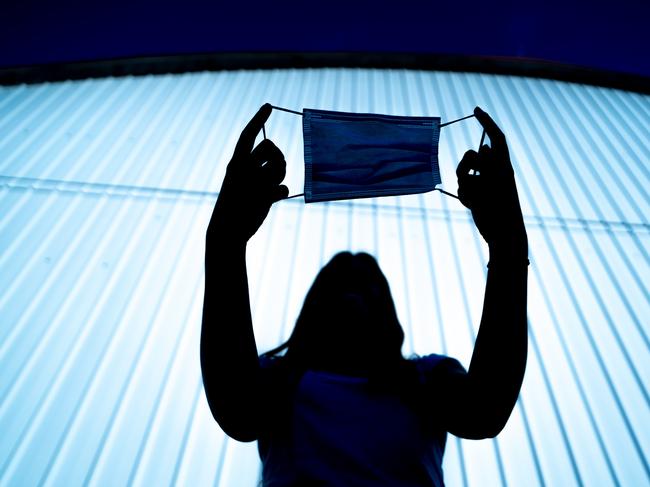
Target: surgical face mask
{"x": 364, "y": 155}
{"x": 360, "y": 155}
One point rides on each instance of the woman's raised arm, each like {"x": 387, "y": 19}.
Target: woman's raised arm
{"x": 478, "y": 403}
{"x": 229, "y": 360}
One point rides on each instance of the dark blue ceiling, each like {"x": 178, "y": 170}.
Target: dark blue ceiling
{"x": 606, "y": 35}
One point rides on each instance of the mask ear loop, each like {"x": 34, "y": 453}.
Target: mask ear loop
{"x": 479, "y": 146}
{"x": 441, "y": 126}
{"x": 457, "y": 120}
{"x": 264, "y": 134}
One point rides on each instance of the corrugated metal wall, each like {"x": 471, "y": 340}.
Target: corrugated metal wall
{"x": 106, "y": 187}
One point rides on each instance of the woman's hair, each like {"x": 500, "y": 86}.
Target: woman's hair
{"x": 348, "y": 305}
{"x": 348, "y": 312}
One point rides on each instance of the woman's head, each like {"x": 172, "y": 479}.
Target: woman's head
{"x": 348, "y": 318}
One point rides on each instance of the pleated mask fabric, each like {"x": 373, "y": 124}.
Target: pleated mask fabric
{"x": 365, "y": 155}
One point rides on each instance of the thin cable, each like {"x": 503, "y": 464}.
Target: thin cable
{"x": 454, "y": 121}
{"x": 480, "y": 144}
{"x": 286, "y": 110}
{"x": 301, "y": 114}
{"x": 264, "y": 131}
{"x": 435, "y": 189}
{"x": 447, "y": 193}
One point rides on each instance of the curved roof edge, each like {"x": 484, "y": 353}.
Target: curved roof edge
{"x": 139, "y": 66}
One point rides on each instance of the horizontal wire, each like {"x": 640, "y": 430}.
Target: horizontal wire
{"x": 286, "y": 110}
{"x": 301, "y": 114}
{"x": 447, "y": 193}
{"x": 454, "y": 121}
{"x": 131, "y": 191}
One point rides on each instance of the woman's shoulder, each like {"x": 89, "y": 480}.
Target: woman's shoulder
{"x": 433, "y": 363}
{"x": 276, "y": 370}
{"x": 274, "y": 366}
{"x": 270, "y": 361}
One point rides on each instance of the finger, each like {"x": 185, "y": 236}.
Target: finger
{"x": 248, "y": 135}
{"x": 274, "y": 171}
{"x": 266, "y": 151}
{"x": 466, "y": 163}
{"x": 464, "y": 196}
{"x": 491, "y": 128}
{"x": 469, "y": 189}
{"x": 492, "y": 162}
{"x": 484, "y": 160}
{"x": 485, "y": 151}
{"x": 278, "y": 193}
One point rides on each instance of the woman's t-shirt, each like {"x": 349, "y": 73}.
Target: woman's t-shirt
{"x": 340, "y": 434}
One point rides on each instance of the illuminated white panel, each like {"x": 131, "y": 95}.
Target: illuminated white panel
{"x": 106, "y": 188}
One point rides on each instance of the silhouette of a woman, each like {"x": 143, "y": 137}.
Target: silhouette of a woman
{"x": 338, "y": 404}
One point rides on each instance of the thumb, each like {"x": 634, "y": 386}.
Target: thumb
{"x": 278, "y": 193}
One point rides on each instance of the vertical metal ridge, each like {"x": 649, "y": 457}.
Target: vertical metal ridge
{"x": 631, "y": 117}
{"x": 578, "y": 308}
{"x": 8, "y": 95}
{"x": 12, "y": 118}
{"x": 69, "y": 380}
{"x": 467, "y": 315}
{"x": 526, "y": 191}
{"x": 576, "y": 380}
{"x": 128, "y": 379}
{"x": 466, "y": 138}
{"x": 624, "y": 133}
{"x": 186, "y": 435}
{"x": 61, "y": 375}
{"x": 76, "y": 167}
{"x": 53, "y": 119}
{"x": 52, "y": 235}
{"x": 594, "y": 288}
{"x": 439, "y": 323}
{"x": 209, "y": 96}
{"x": 469, "y": 93}
{"x": 531, "y": 443}
{"x": 622, "y": 191}
{"x": 168, "y": 368}
{"x": 297, "y": 96}
{"x": 611, "y": 169}
{"x": 596, "y": 246}
{"x": 25, "y": 200}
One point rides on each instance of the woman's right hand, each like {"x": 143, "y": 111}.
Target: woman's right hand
{"x": 251, "y": 185}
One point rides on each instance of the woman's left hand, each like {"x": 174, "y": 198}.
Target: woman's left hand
{"x": 486, "y": 185}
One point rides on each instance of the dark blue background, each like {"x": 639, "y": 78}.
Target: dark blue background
{"x": 607, "y": 35}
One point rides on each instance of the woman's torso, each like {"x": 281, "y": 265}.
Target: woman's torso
{"x": 341, "y": 432}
